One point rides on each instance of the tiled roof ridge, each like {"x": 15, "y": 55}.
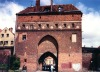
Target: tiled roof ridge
{"x": 66, "y": 7}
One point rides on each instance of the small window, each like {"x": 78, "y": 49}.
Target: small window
{"x": 74, "y": 37}
{"x": 60, "y": 9}
{"x": 24, "y": 37}
{"x": 47, "y": 9}
{"x": 64, "y": 25}
{"x": 1, "y": 42}
{"x": 56, "y": 25}
{"x": 2, "y": 35}
{"x": 5, "y": 42}
{"x": 23, "y": 26}
{"x": 73, "y": 25}
{"x": 7, "y": 35}
{"x": 39, "y": 25}
{"x": 47, "y": 25}
{"x": 25, "y": 60}
{"x": 12, "y": 42}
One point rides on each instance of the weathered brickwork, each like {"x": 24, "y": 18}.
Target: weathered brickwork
{"x": 51, "y": 34}
{"x": 87, "y": 57}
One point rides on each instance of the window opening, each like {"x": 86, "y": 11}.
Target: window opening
{"x": 64, "y": 25}
{"x": 23, "y": 26}
{"x": 7, "y": 35}
{"x": 60, "y": 9}
{"x": 5, "y": 42}
{"x": 24, "y": 37}
{"x": 73, "y": 25}
{"x": 56, "y": 25}
{"x": 47, "y": 25}
{"x": 39, "y": 25}
{"x": 12, "y": 42}
{"x": 2, "y": 35}
{"x": 25, "y": 60}
{"x": 1, "y": 42}
{"x": 74, "y": 37}
{"x": 47, "y": 9}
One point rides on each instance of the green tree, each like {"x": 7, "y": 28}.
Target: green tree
{"x": 14, "y": 62}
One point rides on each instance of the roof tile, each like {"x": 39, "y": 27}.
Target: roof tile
{"x": 68, "y": 7}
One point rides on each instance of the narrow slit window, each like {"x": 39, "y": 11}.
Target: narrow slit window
{"x": 39, "y": 25}
{"x": 56, "y": 25}
{"x": 47, "y": 25}
{"x": 64, "y": 25}
{"x": 73, "y": 25}
{"x": 25, "y": 60}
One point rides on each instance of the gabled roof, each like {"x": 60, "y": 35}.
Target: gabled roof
{"x": 7, "y": 30}
{"x": 65, "y": 8}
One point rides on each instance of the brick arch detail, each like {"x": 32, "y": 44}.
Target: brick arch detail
{"x": 51, "y": 39}
{"x": 51, "y": 50}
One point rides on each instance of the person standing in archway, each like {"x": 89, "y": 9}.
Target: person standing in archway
{"x": 52, "y": 68}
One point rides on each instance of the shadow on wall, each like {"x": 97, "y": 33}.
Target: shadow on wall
{"x": 95, "y": 62}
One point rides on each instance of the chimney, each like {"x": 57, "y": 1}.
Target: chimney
{"x": 51, "y": 4}
{"x": 11, "y": 29}
{"x": 37, "y": 5}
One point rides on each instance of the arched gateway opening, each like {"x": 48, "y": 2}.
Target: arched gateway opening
{"x": 48, "y": 53}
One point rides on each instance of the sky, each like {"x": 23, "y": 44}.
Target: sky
{"x": 90, "y": 18}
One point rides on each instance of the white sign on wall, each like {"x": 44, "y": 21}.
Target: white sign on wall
{"x": 76, "y": 66}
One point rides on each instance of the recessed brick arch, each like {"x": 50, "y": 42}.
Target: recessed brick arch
{"x": 48, "y": 46}
{"x": 51, "y": 39}
{"x": 48, "y": 43}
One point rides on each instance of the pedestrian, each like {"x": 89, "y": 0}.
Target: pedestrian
{"x": 52, "y": 68}
{"x": 24, "y": 69}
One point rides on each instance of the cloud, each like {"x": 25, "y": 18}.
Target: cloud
{"x": 8, "y": 12}
{"x": 90, "y": 25}
{"x": 45, "y": 2}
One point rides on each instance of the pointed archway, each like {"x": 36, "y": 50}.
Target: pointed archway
{"x": 48, "y": 53}
{"x": 48, "y": 59}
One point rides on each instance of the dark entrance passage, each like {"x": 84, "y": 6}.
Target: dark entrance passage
{"x": 48, "y": 61}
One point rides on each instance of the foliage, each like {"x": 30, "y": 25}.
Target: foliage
{"x": 3, "y": 66}
{"x": 14, "y": 62}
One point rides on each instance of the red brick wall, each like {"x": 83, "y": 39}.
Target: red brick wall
{"x": 68, "y": 52}
{"x": 86, "y": 60}
{"x": 46, "y": 18}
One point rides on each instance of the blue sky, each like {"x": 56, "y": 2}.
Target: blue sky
{"x": 90, "y": 3}
{"x": 90, "y": 18}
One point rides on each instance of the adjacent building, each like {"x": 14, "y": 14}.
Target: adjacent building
{"x": 49, "y": 36}
{"x": 6, "y": 40}
{"x": 6, "y": 37}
